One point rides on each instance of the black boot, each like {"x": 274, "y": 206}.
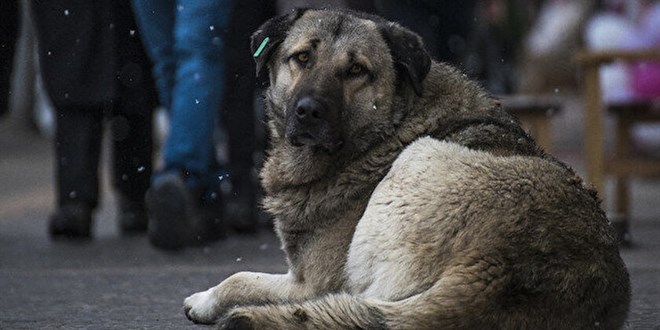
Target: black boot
{"x": 71, "y": 221}
{"x": 172, "y": 210}
{"x": 180, "y": 216}
{"x": 212, "y": 216}
{"x": 132, "y": 216}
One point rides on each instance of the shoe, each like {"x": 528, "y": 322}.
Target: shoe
{"x": 240, "y": 207}
{"x": 132, "y": 216}
{"x": 242, "y": 215}
{"x": 211, "y": 215}
{"x": 171, "y": 211}
{"x": 71, "y": 221}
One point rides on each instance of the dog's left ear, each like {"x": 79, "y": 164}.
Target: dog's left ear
{"x": 410, "y": 57}
{"x": 270, "y": 35}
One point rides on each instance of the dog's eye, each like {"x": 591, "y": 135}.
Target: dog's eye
{"x": 356, "y": 70}
{"x": 302, "y": 57}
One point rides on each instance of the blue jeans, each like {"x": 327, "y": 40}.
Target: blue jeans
{"x": 183, "y": 39}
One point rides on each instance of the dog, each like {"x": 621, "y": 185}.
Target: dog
{"x": 406, "y": 198}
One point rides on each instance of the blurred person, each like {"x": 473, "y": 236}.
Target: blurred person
{"x": 630, "y": 26}
{"x": 245, "y": 138}
{"x": 8, "y": 33}
{"x": 627, "y": 25}
{"x": 284, "y": 6}
{"x": 443, "y": 25}
{"x": 646, "y": 75}
{"x": 184, "y": 39}
{"x": 493, "y": 45}
{"x": 93, "y": 67}
{"x": 555, "y": 35}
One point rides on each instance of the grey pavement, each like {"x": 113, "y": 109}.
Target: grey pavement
{"x": 114, "y": 282}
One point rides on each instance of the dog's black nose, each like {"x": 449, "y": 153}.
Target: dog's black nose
{"x": 309, "y": 111}
{"x": 313, "y": 122}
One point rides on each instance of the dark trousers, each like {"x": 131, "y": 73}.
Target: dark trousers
{"x": 78, "y": 141}
{"x": 8, "y": 31}
{"x": 238, "y": 111}
{"x": 245, "y": 139}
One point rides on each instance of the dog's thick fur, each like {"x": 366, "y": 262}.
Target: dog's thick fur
{"x": 405, "y": 198}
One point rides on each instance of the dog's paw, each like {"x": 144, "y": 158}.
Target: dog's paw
{"x": 201, "y": 307}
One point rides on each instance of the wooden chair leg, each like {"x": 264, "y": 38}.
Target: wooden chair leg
{"x": 622, "y": 188}
{"x": 593, "y": 121}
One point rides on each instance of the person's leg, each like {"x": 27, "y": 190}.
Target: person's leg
{"x": 155, "y": 19}
{"x": 176, "y": 200}
{"x": 77, "y": 150}
{"x": 132, "y": 166}
{"x": 238, "y": 115}
{"x": 197, "y": 93}
{"x": 9, "y": 14}
{"x": 131, "y": 124}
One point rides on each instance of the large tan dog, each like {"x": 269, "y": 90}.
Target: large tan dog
{"x": 405, "y": 198}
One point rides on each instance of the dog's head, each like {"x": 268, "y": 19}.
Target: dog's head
{"x": 335, "y": 76}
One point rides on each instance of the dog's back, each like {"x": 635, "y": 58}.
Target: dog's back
{"x": 464, "y": 239}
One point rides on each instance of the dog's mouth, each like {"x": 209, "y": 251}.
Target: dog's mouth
{"x": 329, "y": 146}
{"x": 302, "y": 140}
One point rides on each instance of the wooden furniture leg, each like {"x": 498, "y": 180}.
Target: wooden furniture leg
{"x": 594, "y": 150}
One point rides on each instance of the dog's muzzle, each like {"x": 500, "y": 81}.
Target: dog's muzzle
{"x": 313, "y": 123}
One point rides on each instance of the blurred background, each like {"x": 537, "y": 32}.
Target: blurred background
{"x": 582, "y": 76}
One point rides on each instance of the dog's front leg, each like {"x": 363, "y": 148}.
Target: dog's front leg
{"x": 240, "y": 289}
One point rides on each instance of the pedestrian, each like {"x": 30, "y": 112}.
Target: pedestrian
{"x": 184, "y": 40}
{"x": 93, "y": 68}
{"x": 8, "y": 33}
{"x": 444, "y": 25}
{"x": 241, "y": 117}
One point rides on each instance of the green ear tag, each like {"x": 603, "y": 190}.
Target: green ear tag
{"x": 261, "y": 47}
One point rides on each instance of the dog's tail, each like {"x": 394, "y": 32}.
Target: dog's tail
{"x": 431, "y": 309}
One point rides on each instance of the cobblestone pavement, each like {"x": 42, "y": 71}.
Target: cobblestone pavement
{"x": 115, "y": 282}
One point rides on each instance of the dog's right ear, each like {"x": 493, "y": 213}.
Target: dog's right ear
{"x": 270, "y": 35}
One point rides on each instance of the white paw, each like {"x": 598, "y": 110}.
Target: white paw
{"x": 201, "y": 307}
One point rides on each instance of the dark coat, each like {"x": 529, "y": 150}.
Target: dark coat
{"x": 90, "y": 53}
